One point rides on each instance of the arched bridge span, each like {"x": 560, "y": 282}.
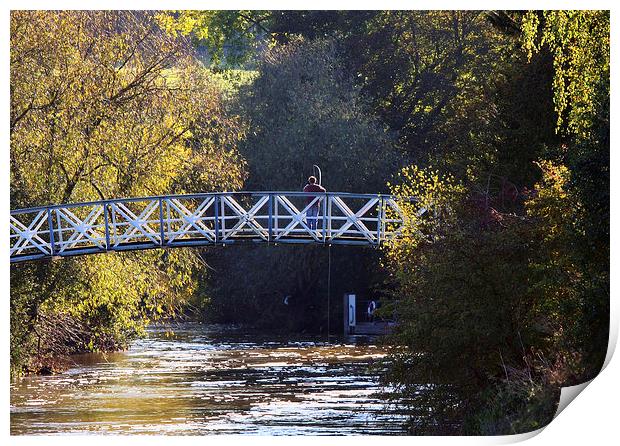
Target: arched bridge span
{"x": 200, "y": 220}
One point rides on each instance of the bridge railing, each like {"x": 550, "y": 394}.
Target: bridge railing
{"x": 203, "y": 219}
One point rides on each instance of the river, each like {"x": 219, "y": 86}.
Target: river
{"x": 207, "y": 379}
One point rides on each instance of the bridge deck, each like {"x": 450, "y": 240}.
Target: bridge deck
{"x": 201, "y": 220}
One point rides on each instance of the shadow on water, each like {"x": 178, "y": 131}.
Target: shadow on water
{"x": 206, "y": 379}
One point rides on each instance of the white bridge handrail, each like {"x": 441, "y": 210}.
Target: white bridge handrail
{"x": 203, "y": 219}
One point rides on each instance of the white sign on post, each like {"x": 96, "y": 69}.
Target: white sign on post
{"x": 351, "y": 311}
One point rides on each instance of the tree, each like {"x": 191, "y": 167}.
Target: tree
{"x": 104, "y": 105}
{"x": 469, "y": 312}
{"x": 505, "y": 298}
{"x": 579, "y": 44}
{"x": 306, "y": 109}
{"x": 302, "y": 109}
{"x": 230, "y": 37}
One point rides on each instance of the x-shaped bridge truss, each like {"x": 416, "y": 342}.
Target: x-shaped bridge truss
{"x": 203, "y": 219}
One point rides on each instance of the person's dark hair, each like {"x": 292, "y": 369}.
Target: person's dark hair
{"x": 312, "y": 179}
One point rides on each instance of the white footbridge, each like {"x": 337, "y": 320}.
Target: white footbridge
{"x": 201, "y": 220}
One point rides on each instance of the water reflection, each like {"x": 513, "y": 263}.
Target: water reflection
{"x": 210, "y": 379}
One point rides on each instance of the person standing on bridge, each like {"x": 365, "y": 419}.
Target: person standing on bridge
{"x": 313, "y": 211}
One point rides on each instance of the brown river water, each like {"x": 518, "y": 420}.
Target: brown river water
{"x": 206, "y": 379}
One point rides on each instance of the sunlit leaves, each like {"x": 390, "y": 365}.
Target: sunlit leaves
{"x": 103, "y": 105}
{"x": 426, "y": 197}
{"x": 229, "y": 36}
{"x": 579, "y": 42}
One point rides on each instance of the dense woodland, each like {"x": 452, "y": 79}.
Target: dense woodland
{"x": 497, "y": 121}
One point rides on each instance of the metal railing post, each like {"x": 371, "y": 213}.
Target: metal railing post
{"x": 50, "y": 224}
{"x": 223, "y": 199}
{"x": 379, "y": 220}
{"x": 216, "y": 205}
{"x": 168, "y": 220}
{"x": 270, "y": 221}
{"x": 59, "y": 229}
{"x": 106, "y": 225}
{"x": 325, "y": 218}
{"x": 330, "y": 199}
{"x": 276, "y": 216}
{"x": 114, "y": 220}
{"x": 161, "y": 223}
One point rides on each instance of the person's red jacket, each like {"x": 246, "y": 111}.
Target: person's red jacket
{"x": 313, "y": 188}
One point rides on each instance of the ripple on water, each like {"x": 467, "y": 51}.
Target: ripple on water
{"x": 211, "y": 380}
